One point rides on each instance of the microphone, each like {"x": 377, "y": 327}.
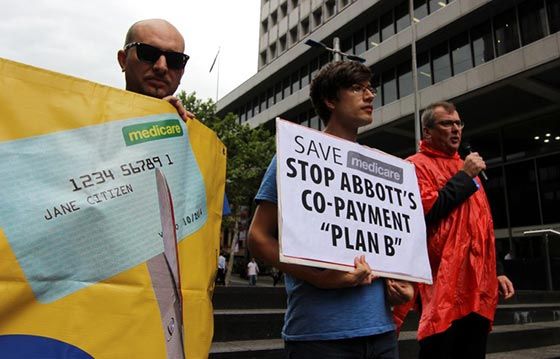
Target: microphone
{"x": 468, "y": 148}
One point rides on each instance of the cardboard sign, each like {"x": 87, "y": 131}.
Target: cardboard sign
{"x": 338, "y": 200}
{"x": 80, "y": 221}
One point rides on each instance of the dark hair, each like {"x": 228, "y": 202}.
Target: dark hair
{"x": 333, "y": 77}
{"x": 428, "y": 118}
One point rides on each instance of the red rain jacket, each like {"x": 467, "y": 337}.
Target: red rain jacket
{"x": 460, "y": 247}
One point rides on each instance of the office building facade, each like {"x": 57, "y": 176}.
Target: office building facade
{"x": 497, "y": 60}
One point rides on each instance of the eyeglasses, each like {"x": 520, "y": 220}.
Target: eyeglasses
{"x": 151, "y": 54}
{"x": 450, "y": 123}
{"x": 360, "y": 89}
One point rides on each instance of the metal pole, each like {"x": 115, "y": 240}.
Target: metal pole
{"x": 336, "y": 47}
{"x": 417, "y": 134}
{"x": 218, "y": 79}
{"x": 547, "y": 259}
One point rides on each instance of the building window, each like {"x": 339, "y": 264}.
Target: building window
{"x": 263, "y": 57}
{"x": 532, "y": 21}
{"x": 294, "y": 4}
{"x": 441, "y": 63}
{"x": 264, "y": 25}
{"x": 273, "y": 18}
{"x": 359, "y": 42}
{"x": 272, "y": 51}
{"x": 387, "y": 26}
{"x": 295, "y": 82}
{"x": 242, "y": 115}
{"x": 549, "y": 184}
{"x": 376, "y": 84}
{"x": 283, "y": 10}
{"x": 324, "y": 58}
{"x": 420, "y": 9}
{"x": 293, "y": 36}
{"x": 304, "y": 26}
{"x": 278, "y": 97}
{"x": 554, "y": 15}
{"x": 256, "y": 108}
{"x": 249, "y": 111}
{"x": 264, "y": 104}
{"x": 343, "y": 3}
{"x": 402, "y": 18}
{"x": 302, "y": 119}
{"x": 317, "y": 17}
{"x": 346, "y": 44}
{"x": 435, "y": 5}
{"x": 287, "y": 87}
{"x": 505, "y": 32}
{"x": 304, "y": 76}
{"x": 389, "y": 85}
{"x": 270, "y": 97}
{"x": 330, "y": 8}
{"x": 404, "y": 74}
{"x": 522, "y": 194}
{"x": 314, "y": 120}
{"x": 482, "y": 44}
{"x": 313, "y": 68}
{"x": 461, "y": 53}
{"x": 372, "y": 33}
{"x": 283, "y": 44}
{"x": 424, "y": 71}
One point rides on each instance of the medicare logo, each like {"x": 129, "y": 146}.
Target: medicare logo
{"x": 374, "y": 167}
{"x": 151, "y": 131}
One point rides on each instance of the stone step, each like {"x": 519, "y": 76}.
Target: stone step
{"x": 249, "y": 297}
{"x": 504, "y": 338}
{"x": 246, "y": 324}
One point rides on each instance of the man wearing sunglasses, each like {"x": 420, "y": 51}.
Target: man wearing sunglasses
{"x": 153, "y": 61}
{"x": 458, "y": 309}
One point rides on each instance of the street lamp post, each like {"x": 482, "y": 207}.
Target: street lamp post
{"x": 414, "y": 74}
{"x": 335, "y": 50}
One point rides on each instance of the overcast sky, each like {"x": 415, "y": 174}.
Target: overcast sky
{"x": 81, "y": 38}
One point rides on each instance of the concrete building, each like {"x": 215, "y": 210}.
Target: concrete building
{"x": 498, "y": 61}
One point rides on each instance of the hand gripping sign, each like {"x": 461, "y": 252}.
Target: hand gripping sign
{"x": 339, "y": 199}
{"x": 80, "y": 224}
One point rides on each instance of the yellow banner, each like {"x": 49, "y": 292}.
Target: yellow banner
{"x": 80, "y": 220}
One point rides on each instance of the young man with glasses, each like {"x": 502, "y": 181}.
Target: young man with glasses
{"x": 330, "y": 314}
{"x": 153, "y": 61}
{"x": 458, "y": 309}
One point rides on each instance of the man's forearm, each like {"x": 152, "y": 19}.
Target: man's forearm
{"x": 457, "y": 190}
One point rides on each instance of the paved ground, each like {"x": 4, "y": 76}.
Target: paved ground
{"x": 262, "y": 281}
{"x": 551, "y": 352}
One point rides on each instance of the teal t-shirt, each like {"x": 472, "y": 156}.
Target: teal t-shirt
{"x": 326, "y": 314}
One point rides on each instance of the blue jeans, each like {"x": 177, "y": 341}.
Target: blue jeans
{"x": 380, "y": 346}
{"x": 252, "y": 280}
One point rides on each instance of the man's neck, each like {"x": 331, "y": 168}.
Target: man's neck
{"x": 337, "y": 129}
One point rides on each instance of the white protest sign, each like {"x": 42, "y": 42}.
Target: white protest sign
{"x": 338, "y": 199}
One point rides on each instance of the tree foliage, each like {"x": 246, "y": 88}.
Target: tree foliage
{"x": 249, "y": 149}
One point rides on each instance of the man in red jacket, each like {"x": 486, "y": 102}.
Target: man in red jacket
{"x": 458, "y": 309}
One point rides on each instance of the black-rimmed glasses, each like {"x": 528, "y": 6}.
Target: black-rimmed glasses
{"x": 450, "y": 123}
{"x": 360, "y": 89}
{"x": 151, "y": 54}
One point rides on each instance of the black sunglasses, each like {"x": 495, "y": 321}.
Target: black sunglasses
{"x": 150, "y": 54}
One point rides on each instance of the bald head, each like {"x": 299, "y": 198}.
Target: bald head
{"x": 143, "y": 74}
{"x": 154, "y": 25}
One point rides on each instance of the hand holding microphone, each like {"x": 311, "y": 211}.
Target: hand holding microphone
{"x": 474, "y": 164}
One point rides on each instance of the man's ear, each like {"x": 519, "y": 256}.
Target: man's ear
{"x": 426, "y": 135}
{"x": 330, "y": 104}
{"x": 121, "y": 58}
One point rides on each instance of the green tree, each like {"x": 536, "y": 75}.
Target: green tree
{"x": 249, "y": 153}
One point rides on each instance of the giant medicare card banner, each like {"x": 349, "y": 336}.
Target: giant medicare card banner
{"x": 81, "y": 264}
{"x": 339, "y": 199}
